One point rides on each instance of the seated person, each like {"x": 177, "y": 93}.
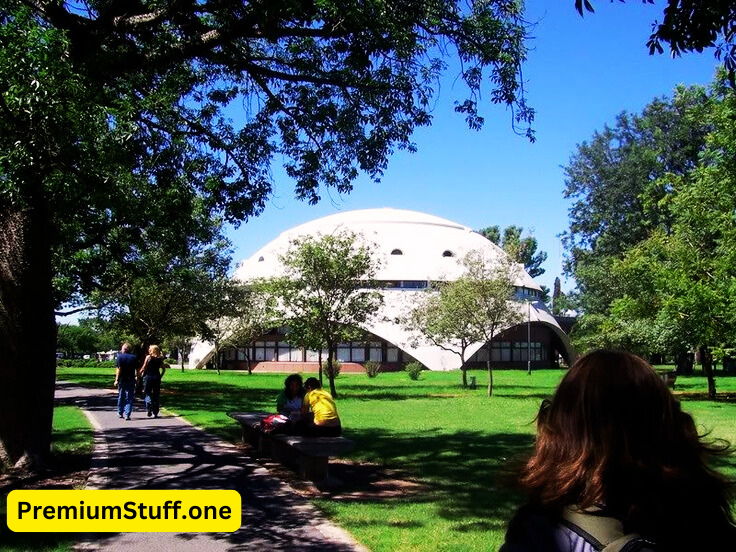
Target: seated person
{"x": 289, "y": 401}
{"x": 323, "y": 420}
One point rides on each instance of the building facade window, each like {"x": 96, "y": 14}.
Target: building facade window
{"x": 288, "y": 352}
{"x": 264, "y": 350}
{"x": 501, "y": 351}
{"x": 375, "y": 352}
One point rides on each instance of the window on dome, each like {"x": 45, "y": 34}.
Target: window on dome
{"x": 260, "y": 259}
{"x": 448, "y": 253}
{"x": 397, "y": 252}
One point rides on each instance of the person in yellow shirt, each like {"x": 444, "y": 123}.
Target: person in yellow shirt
{"x": 323, "y": 421}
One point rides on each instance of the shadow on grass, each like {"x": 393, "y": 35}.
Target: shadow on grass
{"x": 467, "y": 474}
{"x": 540, "y": 396}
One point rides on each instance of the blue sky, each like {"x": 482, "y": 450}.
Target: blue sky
{"x": 581, "y": 72}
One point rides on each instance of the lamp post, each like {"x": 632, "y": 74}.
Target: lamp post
{"x": 529, "y": 339}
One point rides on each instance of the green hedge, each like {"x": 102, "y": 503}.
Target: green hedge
{"x": 84, "y": 363}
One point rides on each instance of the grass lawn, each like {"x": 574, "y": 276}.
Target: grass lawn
{"x": 71, "y": 448}
{"x": 458, "y": 444}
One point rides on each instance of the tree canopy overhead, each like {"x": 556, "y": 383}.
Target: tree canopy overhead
{"x": 335, "y": 87}
{"x": 130, "y": 124}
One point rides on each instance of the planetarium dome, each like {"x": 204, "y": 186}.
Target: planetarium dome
{"x": 415, "y": 249}
{"x": 413, "y": 246}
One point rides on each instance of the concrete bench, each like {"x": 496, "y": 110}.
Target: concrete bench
{"x": 252, "y": 434}
{"x": 669, "y": 377}
{"x": 309, "y": 455}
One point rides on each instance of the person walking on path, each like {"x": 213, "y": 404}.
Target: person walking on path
{"x": 126, "y": 366}
{"x": 170, "y": 454}
{"x": 152, "y": 372}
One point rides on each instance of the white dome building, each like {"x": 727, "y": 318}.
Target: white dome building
{"x": 415, "y": 250}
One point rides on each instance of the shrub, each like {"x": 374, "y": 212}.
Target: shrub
{"x": 372, "y": 368}
{"x": 414, "y": 369}
{"x": 170, "y": 360}
{"x": 335, "y": 369}
{"x": 84, "y": 363}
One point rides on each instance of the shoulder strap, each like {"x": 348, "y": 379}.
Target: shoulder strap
{"x": 605, "y": 533}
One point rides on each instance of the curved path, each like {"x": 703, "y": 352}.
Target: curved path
{"x": 169, "y": 453}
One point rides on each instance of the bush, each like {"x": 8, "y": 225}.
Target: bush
{"x": 335, "y": 369}
{"x": 414, "y": 369}
{"x": 84, "y": 363}
{"x": 171, "y": 360}
{"x": 372, "y": 368}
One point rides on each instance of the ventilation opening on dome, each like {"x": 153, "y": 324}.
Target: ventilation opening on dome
{"x": 448, "y": 253}
{"x": 260, "y": 259}
{"x": 397, "y": 252}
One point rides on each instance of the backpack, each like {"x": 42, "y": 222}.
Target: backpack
{"x": 605, "y": 534}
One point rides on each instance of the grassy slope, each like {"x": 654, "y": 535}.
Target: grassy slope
{"x": 458, "y": 443}
{"x": 72, "y": 436}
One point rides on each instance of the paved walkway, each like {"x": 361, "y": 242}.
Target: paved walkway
{"x": 168, "y": 453}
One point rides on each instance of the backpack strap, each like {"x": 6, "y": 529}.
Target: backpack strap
{"x": 604, "y": 533}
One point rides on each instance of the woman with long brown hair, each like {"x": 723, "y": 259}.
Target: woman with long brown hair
{"x": 616, "y": 459}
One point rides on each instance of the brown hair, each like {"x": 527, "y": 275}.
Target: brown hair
{"x": 613, "y": 435}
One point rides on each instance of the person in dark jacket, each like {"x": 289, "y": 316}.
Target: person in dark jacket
{"x": 616, "y": 455}
{"x": 126, "y": 367}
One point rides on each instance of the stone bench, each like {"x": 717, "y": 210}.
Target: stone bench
{"x": 669, "y": 377}
{"x": 309, "y": 455}
{"x": 252, "y": 434}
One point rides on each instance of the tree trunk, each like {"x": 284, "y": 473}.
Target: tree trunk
{"x": 706, "y": 360}
{"x": 330, "y": 372}
{"x": 247, "y": 361}
{"x": 490, "y": 375}
{"x": 319, "y": 358}
{"x": 27, "y": 334}
{"x": 684, "y": 362}
{"x": 465, "y": 376}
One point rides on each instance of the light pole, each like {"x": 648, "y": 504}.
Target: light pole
{"x": 529, "y": 340}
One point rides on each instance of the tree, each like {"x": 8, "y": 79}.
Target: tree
{"x": 159, "y": 296}
{"x": 523, "y": 251}
{"x": 442, "y": 318}
{"x": 474, "y": 308}
{"x": 544, "y": 296}
{"x": 556, "y": 295}
{"x": 617, "y": 191}
{"x": 244, "y": 313}
{"x": 672, "y": 291}
{"x": 115, "y": 114}
{"x": 326, "y": 293}
{"x": 73, "y": 340}
{"x": 692, "y": 25}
